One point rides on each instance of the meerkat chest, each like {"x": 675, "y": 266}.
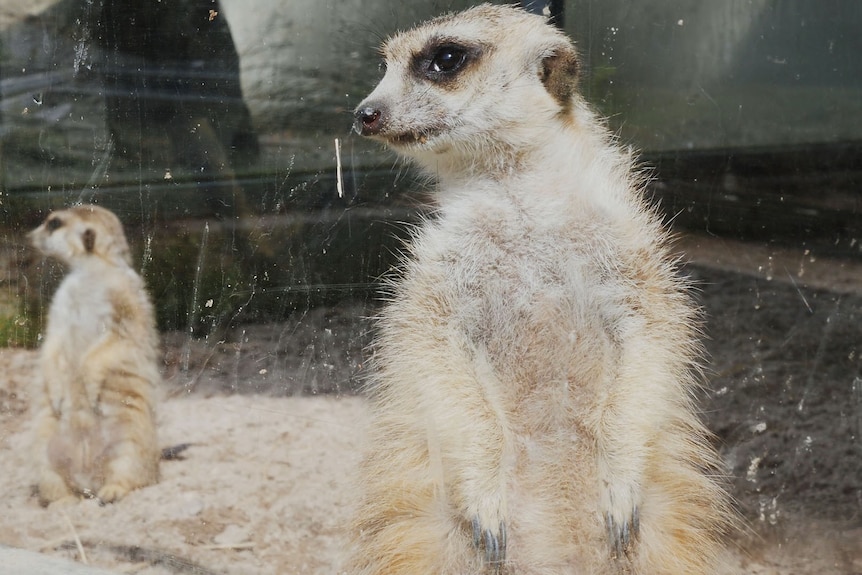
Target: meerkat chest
{"x": 502, "y": 252}
{"x": 81, "y": 311}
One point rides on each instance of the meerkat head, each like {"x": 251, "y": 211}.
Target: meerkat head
{"x": 471, "y": 88}
{"x": 80, "y": 234}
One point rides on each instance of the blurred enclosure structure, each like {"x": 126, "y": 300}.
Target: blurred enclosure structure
{"x": 214, "y": 130}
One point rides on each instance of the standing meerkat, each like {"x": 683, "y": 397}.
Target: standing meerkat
{"x": 96, "y": 428}
{"x": 535, "y": 367}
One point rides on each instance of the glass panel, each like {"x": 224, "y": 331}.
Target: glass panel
{"x": 220, "y": 135}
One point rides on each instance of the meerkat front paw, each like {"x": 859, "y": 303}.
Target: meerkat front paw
{"x": 622, "y": 533}
{"x": 492, "y": 543}
{"x": 112, "y": 492}
{"x": 622, "y": 520}
{"x": 488, "y": 525}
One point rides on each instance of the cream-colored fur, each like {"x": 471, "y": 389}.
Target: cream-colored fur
{"x": 96, "y": 431}
{"x": 536, "y": 366}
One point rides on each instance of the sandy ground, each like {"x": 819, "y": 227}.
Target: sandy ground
{"x": 265, "y": 487}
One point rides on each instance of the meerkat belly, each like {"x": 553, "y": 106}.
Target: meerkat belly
{"x": 543, "y": 307}
{"x": 554, "y": 351}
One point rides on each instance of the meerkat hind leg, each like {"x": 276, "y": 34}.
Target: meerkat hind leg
{"x": 123, "y": 473}
{"x": 53, "y": 489}
{"x": 52, "y": 486}
{"x": 133, "y": 458}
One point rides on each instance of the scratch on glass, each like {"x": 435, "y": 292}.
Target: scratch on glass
{"x": 195, "y": 289}
{"x": 340, "y": 183}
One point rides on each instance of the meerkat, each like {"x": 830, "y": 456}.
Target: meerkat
{"x": 537, "y": 360}
{"x": 96, "y": 432}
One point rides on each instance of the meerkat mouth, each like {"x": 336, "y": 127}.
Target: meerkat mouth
{"x": 409, "y": 138}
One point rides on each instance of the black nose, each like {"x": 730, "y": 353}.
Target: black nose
{"x": 369, "y": 120}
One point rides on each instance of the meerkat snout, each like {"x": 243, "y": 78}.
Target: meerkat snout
{"x": 369, "y": 120}
{"x": 438, "y": 63}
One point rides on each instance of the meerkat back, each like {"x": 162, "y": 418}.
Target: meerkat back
{"x": 535, "y": 365}
{"x": 96, "y": 430}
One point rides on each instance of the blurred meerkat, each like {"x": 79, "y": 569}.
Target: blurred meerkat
{"x": 536, "y": 365}
{"x": 96, "y": 428}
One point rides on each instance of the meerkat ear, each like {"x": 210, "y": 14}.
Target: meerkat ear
{"x": 89, "y": 239}
{"x": 559, "y": 74}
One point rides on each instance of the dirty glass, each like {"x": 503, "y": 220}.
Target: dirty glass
{"x": 220, "y": 134}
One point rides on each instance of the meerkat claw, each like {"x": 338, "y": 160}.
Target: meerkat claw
{"x": 492, "y": 543}
{"x": 622, "y": 536}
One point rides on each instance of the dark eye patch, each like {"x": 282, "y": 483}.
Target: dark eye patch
{"x": 53, "y": 224}
{"x": 441, "y": 61}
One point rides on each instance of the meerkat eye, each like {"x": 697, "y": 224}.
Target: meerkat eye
{"x": 53, "y": 223}
{"x": 447, "y": 59}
